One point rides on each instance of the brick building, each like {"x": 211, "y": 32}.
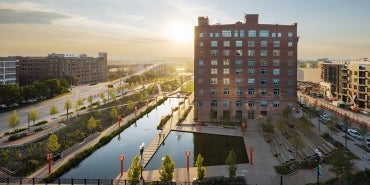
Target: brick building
{"x": 244, "y": 70}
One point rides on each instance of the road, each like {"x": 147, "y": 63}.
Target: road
{"x": 81, "y": 91}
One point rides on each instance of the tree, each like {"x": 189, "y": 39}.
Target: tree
{"x": 13, "y": 120}
{"x": 102, "y": 97}
{"x": 79, "y": 103}
{"x": 231, "y": 161}
{"x": 297, "y": 142}
{"x": 332, "y": 124}
{"x": 52, "y": 144}
{"x": 112, "y": 94}
{"x": 134, "y": 170}
{"x": 34, "y": 115}
{"x": 130, "y": 105}
{"x": 68, "y": 105}
{"x": 201, "y": 170}
{"x": 341, "y": 164}
{"x": 53, "y": 110}
{"x": 363, "y": 130}
{"x": 167, "y": 169}
{"x": 90, "y": 100}
{"x": 92, "y": 123}
{"x": 113, "y": 113}
{"x": 347, "y": 124}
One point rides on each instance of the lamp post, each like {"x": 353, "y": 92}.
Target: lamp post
{"x": 122, "y": 158}
{"x": 49, "y": 158}
{"x": 28, "y": 124}
{"x": 187, "y": 153}
{"x": 319, "y": 170}
{"x": 141, "y": 164}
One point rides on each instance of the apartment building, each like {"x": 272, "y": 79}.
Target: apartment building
{"x": 8, "y": 71}
{"x": 245, "y": 70}
{"x": 55, "y": 66}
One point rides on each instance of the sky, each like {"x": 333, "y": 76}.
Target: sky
{"x": 337, "y": 29}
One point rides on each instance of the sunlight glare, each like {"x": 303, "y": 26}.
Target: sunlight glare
{"x": 179, "y": 32}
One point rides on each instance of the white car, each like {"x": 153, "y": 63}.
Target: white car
{"x": 325, "y": 117}
{"x": 354, "y": 133}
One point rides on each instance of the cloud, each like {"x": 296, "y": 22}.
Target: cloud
{"x": 8, "y": 16}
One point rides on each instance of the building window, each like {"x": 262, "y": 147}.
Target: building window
{"x": 238, "y": 52}
{"x": 264, "y": 33}
{"x": 236, "y": 34}
{"x": 226, "y": 91}
{"x": 276, "y": 81}
{"x": 210, "y": 34}
{"x": 200, "y": 62}
{"x": 263, "y": 103}
{"x": 290, "y": 63}
{"x": 200, "y": 91}
{"x": 226, "y": 43}
{"x": 290, "y": 82}
{"x": 276, "y": 104}
{"x": 276, "y": 53}
{"x": 226, "y": 52}
{"x": 250, "y": 43}
{"x": 238, "y": 43}
{"x": 200, "y": 44}
{"x": 238, "y": 103}
{"x": 213, "y": 80}
{"x": 214, "y": 103}
{"x": 264, "y": 62}
{"x": 290, "y": 53}
{"x": 250, "y": 103}
{"x": 264, "y": 72}
{"x": 201, "y": 34}
{"x": 217, "y": 34}
{"x": 250, "y": 62}
{"x": 250, "y": 91}
{"x": 290, "y": 72}
{"x": 290, "y": 93}
{"x": 290, "y": 44}
{"x": 214, "y": 91}
{"x": 200, "y": 81}
{"x": 213, "y": 53}
{"x": 239, "y": 71}
{"x": 201, "y": 53}
{"x": 273, "y": 34}
{"x": 214, "y": 43}
{"x": 276, "y": 63}
{"x": 238, "y": 81}
{"x": 251, "y": 53}
{"x": 200, "y": 104}
{"x": 251, "y": 71}
{"x": 263, "y": 53}
{"x": 250, "y": 80}
{"x": 226, "y": 81}
{"x": 226, "y": 103}
{"x": 279, "y": 35}
{"x": 290, "y": 34}
{"x": 238, "y": 62}
{"x": 276, "y": 72}
{"x": 200, "y": 71}
{"x": 226, "y": 33}
{"x": 263, "y": 81}
{"x": 252, "y": 33}
{"x": 241, "y": 33}
{"x": 226, "y": 62}
{"x": 276, "y": 43}
{"x": 276, "y": 91}
{"x": 226, "y": 71}
{"x": 214, "y": 62}
{"x": 239, "y": 92}
{"x": 264, "y": 92}
{"x": 263, "y": 43}
{"x": 214, "y": 71}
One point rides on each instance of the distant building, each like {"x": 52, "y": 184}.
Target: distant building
{"x": 8, "y": 70}
{"x": 244, "y": 70}
{"x": 55, "y": 66}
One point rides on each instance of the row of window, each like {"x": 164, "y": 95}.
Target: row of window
{"x": 239, "y": 103}
{"x": 226, "y": 71}
{"x": 251, "y": 81}
{"x": 238, "y": 43}
{"x": 250, "y": 33}
{"x": 250, "y": 53}
{"x": 239, "y": 91}
{"x": 251, "y": 62}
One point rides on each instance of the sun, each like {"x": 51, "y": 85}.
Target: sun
{"x": 179, "y": 32}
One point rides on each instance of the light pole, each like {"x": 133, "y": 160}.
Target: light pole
{"x": 187, "y": 153}
{"x": 319, "y": 170}
{"x": 28, "y": 124}
{"x": 141, "y": 147}
{"x": 122, "y": 158}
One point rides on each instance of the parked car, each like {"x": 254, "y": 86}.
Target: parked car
{"x": 342, "y": 127}
{"x": 324, "y": 117}
{"x": 368, "y": 141}
{"x": 354, "y": 133}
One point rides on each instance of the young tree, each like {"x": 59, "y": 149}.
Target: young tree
{"x": 52, "y": 144}
{"x": 113, "y": 113}
{"x": 130, "y": 104}
{"x": 92, "y": 123}
{"x": 90, "y": 100}
{"x": 297, "y": 142}
{"x": 33, "y": 115}
{"x": 53, "y": 110}
{"x": 112, "y": 94}
{"x": 79, "y": 103}
{"x": 347, "y": 124}
{"x": 231, "y": 161}
{"x": 67, "y": 106}
{"x": 134, "y": 171}
{"x": 332, "y": 124}
{"x": 341, "y": 164}
{"x": 102, "y": 97}
{"x": 167, "y": 169}
{"x": 363, "y": 130}
{"x": 201, "y": 170}
{"x": 13, "y": 120}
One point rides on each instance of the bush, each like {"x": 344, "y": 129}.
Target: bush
{"x": 40, "y": 123}
{"x": 267, "y": 128}
{"x": 17, "y": 136}
{"x": 15, "y": 131}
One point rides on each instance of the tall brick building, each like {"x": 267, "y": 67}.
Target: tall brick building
{"x": 244, "y": 70}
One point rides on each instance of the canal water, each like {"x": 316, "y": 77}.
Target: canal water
{"x": 105, "y": 163}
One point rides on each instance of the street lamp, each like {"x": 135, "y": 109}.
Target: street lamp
{"x": 141, "y": 147}
{"x": 187, "y": 153}
{"x": 122, "y": 158}
{"x": 28, "y": 124}
{"x": 319, "y": 169}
